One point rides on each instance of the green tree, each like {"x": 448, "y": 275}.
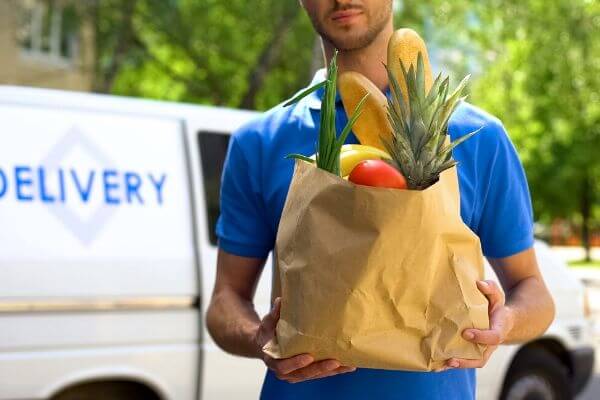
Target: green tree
{"x": 234, "y": 53}
{"x": 536, "y": 64}
{"x": 545, "y": 83}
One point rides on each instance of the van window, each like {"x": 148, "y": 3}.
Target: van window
{"x": 213, "y": 149}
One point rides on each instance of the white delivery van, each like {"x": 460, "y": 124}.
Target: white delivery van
{"x": 107, "y": 260}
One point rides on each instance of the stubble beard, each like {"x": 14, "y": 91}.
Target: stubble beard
{"x": 348, "y": 42}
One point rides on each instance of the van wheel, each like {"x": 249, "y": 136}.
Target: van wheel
{"x": 114, "y": 390}
{"x": 536, "y": 374}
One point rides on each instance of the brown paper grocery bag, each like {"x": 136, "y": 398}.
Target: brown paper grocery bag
{"x": 376, "y": 277}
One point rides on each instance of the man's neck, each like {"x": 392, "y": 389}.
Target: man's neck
{"x": 368, "y": 60}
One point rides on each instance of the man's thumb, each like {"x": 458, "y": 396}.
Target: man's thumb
{"x": 270, "y": 320}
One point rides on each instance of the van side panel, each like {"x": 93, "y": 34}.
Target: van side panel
{"x": 98, "y": 272}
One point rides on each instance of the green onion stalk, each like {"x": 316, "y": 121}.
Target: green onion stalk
{"x": 329, "y": 145}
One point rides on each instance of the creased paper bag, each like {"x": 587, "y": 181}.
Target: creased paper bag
{"x": 376, "y": 277}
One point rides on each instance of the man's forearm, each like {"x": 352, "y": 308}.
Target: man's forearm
{"x": 531, "y": 308}
{"x": 232, "y": 322}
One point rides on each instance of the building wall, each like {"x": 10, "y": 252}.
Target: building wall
{"x": 19, "y": 66}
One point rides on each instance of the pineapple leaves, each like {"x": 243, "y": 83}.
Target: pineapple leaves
{"x": 420, "y": 78}
{"x": 446, "y": 150}
{"x": 419, "y": 120}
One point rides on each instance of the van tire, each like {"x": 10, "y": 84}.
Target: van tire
{"x": 103, "y": 390}
{"x": 535, "y": 373}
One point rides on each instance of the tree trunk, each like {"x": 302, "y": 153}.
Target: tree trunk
{"x": 268, "y": 57}
{"x": 125, "y": 40}
{"x": 586, "y": 205}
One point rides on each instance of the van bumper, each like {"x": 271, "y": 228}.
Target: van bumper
{"x": 582, "y": 360}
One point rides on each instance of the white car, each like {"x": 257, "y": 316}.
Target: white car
{"x": 107, "y": 260}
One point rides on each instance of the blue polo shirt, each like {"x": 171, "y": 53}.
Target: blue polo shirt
{"x": 494, "y": 203}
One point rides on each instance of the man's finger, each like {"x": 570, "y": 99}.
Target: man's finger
{"x": 289, "y": 365}
{"x": 343, "y": 369}
{"x": 275, "y": 310}
{"x": 270, "y": 320}
{"x": 488, "y": 336}
{"x": 313, "y": 370}
{"x": 466, "y": 363}
{"x": 337, "y": 371}
{"x": 491, "y": 290}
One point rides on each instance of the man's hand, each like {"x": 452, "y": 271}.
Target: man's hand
{"x": 295, "y": 369}
{"x": 501, "y": 323}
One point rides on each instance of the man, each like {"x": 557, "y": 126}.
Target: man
{"x": 495, "y": 204}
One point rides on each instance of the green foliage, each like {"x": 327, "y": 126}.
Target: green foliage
{"x": 206, "y": 51}
{"x": 535, "y": 62}
{"x": 544, "y": 83}
{"x": 537, "y": 67}
{"x": 584, "y": 264}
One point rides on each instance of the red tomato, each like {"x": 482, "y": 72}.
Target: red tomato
{"x": 377, "y": 173}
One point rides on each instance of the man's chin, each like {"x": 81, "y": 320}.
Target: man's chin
{"x": 349, "y": 44}
{"x": 351, "y": 39}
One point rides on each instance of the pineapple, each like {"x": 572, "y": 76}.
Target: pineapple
{"x": 419, "y": 121}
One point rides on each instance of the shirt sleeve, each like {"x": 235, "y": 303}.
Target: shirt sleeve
{"x": 506, "y": 221}
{"x": 242, "y": 226}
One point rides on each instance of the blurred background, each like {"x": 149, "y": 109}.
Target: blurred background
{"x": 535, "y": 65}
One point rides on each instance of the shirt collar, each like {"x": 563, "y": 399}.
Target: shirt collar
{"x": 315, "y": 98}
